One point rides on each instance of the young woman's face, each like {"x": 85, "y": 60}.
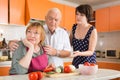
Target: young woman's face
{"x": 33, "y": 35}
{"x": 80, "y": 18}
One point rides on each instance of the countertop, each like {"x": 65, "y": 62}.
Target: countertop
{"x": 102, "y": 74}
{"x": 8, "y": 63}
{"x": 98, "y": 60}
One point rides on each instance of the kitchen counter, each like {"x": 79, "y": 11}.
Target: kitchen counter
{"x": 102, "y": 74}
{"x": 5, "y": 64}
{"x": 8, "y": 63}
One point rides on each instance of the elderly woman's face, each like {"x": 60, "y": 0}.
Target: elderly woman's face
{"x": 33, "y": 35}
{"x": 53, "y": 20}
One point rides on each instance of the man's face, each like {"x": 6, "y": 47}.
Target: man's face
{"x": 53, "y": 20}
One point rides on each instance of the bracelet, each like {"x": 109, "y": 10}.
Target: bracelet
{"x": 58, "y": 53}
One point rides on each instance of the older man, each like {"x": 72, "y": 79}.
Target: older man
{"x": 57, "y": 40}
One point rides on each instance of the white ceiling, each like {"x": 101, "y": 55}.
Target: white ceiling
{"x": 96, "y": 4}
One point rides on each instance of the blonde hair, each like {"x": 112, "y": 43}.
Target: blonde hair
{"x": 39, "y": 28}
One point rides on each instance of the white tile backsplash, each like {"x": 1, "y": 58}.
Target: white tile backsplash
{"x": 105, "y": 40}
{"x": 108, "y": 40}
{"x": 12, "y": 32}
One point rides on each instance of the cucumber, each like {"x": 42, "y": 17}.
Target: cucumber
{"x": 62, "y": 69}
{"x": 51, "y": 72}
{"x": 58, "y": 70}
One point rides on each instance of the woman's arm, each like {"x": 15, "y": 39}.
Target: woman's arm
{"x": 92, "y": 45}
{"x": 25, "y": 61}
{"x": 21, "y": 60}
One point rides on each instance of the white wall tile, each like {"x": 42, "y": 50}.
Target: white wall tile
{"x": 109, "y": 40}
{"x": 12, "y": 32}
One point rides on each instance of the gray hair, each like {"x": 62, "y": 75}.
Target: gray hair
{"x": 56, "y": 10}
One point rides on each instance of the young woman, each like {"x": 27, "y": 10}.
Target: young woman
{"x": 83, "y": 36}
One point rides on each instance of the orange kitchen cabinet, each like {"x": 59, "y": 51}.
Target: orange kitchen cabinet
{"x": 4, "y": 11}
{"x": 36, "y": 9}
{"x": 17, "y": 12}
{"x": 4, "y": 71}
{"x": 115, "y": 18}
{"x": 39, "y": 9}
{"x": 109, "y": 65}
{"x": 67, "y": 63}
{"x": 102, "y": 20}
{"x": 69, "y": 17}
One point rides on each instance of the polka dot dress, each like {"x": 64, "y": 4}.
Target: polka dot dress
{"x": 82, "y": 45}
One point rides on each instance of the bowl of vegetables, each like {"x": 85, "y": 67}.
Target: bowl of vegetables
{"x": 88, "y": 68}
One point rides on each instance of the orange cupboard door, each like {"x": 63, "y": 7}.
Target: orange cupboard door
{"x": 102, "y": 20}
{"x": 115, "y": 18}
{"x": 4, "y": 11}
{"x": 17, "y": 12}
{"x": 67, "y": 63}
{"x": 4, "y": 71}
{"x": 69, "y": 17}
{"x": 37, "y": 10}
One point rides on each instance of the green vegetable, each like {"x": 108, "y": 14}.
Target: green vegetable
{"x": 58, "y": 70}
{"x": 51, "y": 72}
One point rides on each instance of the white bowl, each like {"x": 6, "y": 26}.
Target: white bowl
{"x": 88, "y": 70}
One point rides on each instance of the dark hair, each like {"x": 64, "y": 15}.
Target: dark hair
{"x": 85, "y": 9}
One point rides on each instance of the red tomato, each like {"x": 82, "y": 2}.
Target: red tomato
{"x": 67, "y": 69}
{"x": 92, "y": 64}
{"x": 86, "y": 64}
{"x": 48, "y": 69}
{"x": 40, "y": 75}
{"x": 33, "y": 76}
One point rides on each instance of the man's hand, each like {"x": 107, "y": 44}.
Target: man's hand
{"x": 50, "y": 50}
{"x": 13, "y": 45}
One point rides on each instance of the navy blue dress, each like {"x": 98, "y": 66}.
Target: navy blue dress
{"x": 82, "y": 45}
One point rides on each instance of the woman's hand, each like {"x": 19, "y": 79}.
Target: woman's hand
{"x": 27, "y": 43}
{"x": 75, "y": 54}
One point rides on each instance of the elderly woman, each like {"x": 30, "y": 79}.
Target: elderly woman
{"x": 30, "y": 55}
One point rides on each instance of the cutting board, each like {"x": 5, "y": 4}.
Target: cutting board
{"x": 62, "y": 74}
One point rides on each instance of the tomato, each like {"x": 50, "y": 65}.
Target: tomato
{"x": 48, "y": 69}
{"x": 40, "y": 75}
{"x": 67, "y": 69}
{"x": 86, "y": 64}
{"x": 33, "y": 76}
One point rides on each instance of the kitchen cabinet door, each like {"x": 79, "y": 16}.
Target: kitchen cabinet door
{"x": 102, "y": 20}
{"x": 109, "y": 65}
{"x": 4, "y": 71}
{"x": 36, "y": 9}
{"x": 69, "y": 17}
{"x": 4, "y": 11}
{"x": 17, "y": 12}
{"x": 115, "y": 18}
{"x": 67, "y": 63}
